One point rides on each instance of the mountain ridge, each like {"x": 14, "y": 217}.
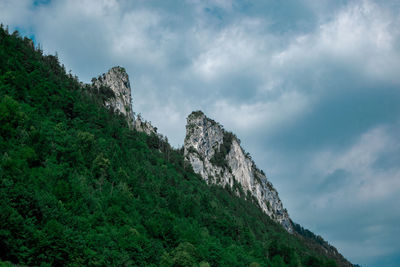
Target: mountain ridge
{"x": 216, "y": 155}
{"x": 78, "y": 186}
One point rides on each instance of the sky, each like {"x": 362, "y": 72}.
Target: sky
{"x": 312, "y": 89}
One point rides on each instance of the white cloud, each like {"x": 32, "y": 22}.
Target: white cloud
{"x": 237, "y": 48}
{"x": 362, "y": 36}
{"x": 201, "y": 5}
{"x": 138, "y": 36}
{"x": 249, "y": 117}
{"x": 15, "y": 13}
{"x": 368, "y": 183}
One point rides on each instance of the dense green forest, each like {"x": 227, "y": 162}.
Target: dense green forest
{"x": 77, "y": 187}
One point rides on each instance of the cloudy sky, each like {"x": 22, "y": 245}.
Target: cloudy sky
{"x": 312, "y": 88}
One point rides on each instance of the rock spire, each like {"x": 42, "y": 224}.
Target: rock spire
{"x": 118, "y": 81}
{"x": 217, "y": 156}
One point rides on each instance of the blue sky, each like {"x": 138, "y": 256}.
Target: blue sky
{"x": 312, "y": 88}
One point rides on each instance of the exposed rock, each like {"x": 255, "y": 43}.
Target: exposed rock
{"x": 218, "y": 157}
{"x": 118, "y": 81}
{"x": 144, "y": 126}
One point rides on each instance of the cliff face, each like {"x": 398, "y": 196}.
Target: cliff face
{"x": 118, "y": 81}
{"x": 218, "y": 157}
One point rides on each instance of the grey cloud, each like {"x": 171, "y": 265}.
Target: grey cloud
{"x": 333, "y": 181}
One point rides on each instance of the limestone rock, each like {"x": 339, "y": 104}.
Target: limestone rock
{"x": 217, "y": 156}
{"x": 118, "y": 81}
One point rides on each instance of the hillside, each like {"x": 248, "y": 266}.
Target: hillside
{"x": 78, "y": 186}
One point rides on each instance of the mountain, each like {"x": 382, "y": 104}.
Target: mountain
{"x": 83, "y": 183}
{"x": 217, "y": 156}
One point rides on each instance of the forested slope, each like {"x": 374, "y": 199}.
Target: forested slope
{"x": 77, "y": 187}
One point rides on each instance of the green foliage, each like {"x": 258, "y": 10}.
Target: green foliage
{"x": 11, "y": 116}
{"x": 317, "y": 243}
{"x": 184, "y": 255}
{"x": 277, "y": 261}
{"x": 77, "y": 187}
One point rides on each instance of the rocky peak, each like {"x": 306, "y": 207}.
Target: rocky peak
{"x": 118, "y": 81}
{"x": 216, "y": 155}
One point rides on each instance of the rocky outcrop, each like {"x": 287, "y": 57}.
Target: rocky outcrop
{"x": 217, "y": 156}
{"x": 144, "y": 126}
{"x": 118, "y": 81}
